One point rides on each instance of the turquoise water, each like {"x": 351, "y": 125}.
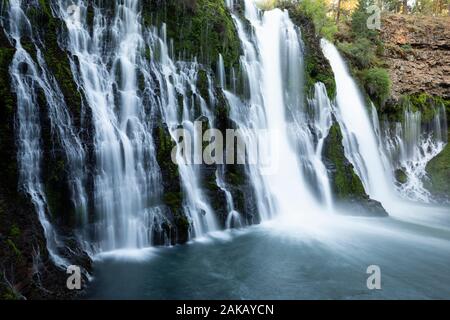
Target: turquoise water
{"x": 278, "y": 260}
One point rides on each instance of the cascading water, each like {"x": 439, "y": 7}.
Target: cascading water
{"x": 173, "y": 80}
{"x": 28, "y": 78}
{"x": 321, "y": 122}
{"x": 127, "y": 175}
{"x": 408, "y": 147}
{"x": 360, "y": 141}
{"x": 131, "y": 84}
{"x": 272, "y": 66}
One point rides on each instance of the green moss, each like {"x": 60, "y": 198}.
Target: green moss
{"x": 164, "y": 153}
{"x": 427, "y": 104}
{"x": 199, "y": 28}
{"x": 317, "y": 67}
{"x": 438, "y": 170}
{"x": 361, "y": 52}
{"x": 424, "y": 103}
{"x": 377, "y": 83}
{"x": 14, "y": 232}
{"x": 345, "y": 182}
{"x": 173, "y": 200}
{"x": 183, "y": 223}
{"x": 401, "y": 176}
{"x": 55, "y": 58}
{"x": 8, "y": 165}
{"x": 316, "y": 73}
{"x": 6, "y": 56}
{"x": 13, "y": 247}
{"x": 9, "y": 295}
{"x": 235, "y": 178}
{"x": 202, "y": 83}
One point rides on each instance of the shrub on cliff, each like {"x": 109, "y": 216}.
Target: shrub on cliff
{"x": 360, "y": 52}
{"x": 377, "y": 84}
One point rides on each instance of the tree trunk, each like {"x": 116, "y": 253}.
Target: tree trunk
{"x": 405, "y": 6}
{"x": 338, "y": 13}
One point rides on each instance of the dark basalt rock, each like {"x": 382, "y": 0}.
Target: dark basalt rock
{"x": 347, "y": 187}
{"x": 361, "y": 207}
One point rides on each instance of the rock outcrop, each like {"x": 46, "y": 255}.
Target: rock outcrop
{"x": 417, "y": 54}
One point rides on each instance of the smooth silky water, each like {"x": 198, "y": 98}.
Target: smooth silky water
{"x": 307, "y": 250}
{"x": 276, "y": 261}
{"x": 304, "y": 248}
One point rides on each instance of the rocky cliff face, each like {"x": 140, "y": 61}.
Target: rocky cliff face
{"x": 417, "y": 54}
{"x": 200, "y": 29}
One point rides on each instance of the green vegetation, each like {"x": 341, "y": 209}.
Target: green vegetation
{"x": 361, "y": 46}
{"x": 199, "y": 28}
{"x": 6, "y": 55}
{"x": 173, "y": 200}
{"x": 164, "y": 153}
{"x": 360, "y": 52}
{"x": 14, "y": 232}
{"x": 9, "y": 295}
{"x": 377, "y": 83}
{"x": 317, "y": 11}
{"x": 438, "y": 170}
{"x": 423, "y": 102}
{"x": 401, "y": 176}
{"x": 317, "y": 67}
{"x": 55, "y": 58}
{"x": 345, "y": 182}
{"x": 13, "y": 247}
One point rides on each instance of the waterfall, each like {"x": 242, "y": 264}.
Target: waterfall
{"x": 411, "y": 145}
{"x": 321, "y": 122}
{"x": 233, "y": 218}
{"x": 360, "y": 141}
{"x": 132, "y": 85}
{"x": 126, "y": 176}
{"x": 176, "y": 79}
{"x": 377, "y": 154}
{"x": 29, "y": 77}
{"x": 273, "y": 71}
{"x": 221, "y": 72}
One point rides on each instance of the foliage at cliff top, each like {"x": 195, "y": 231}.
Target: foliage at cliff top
{"x": 361, "y": 47}
{"x": 318, "y": 12}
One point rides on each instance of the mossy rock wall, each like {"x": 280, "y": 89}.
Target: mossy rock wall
{"x": 177, "y": 227}
{"x": 345, "y": 182}
{"x": 317, "y": 67}
{"x": 427, "y": 104}
{"x": 199, "y": 28}
{"x": 346, "y": 186}
{"x": 438, "y": 171}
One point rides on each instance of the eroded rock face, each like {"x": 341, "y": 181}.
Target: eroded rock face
{"x": 417, "y": 54}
